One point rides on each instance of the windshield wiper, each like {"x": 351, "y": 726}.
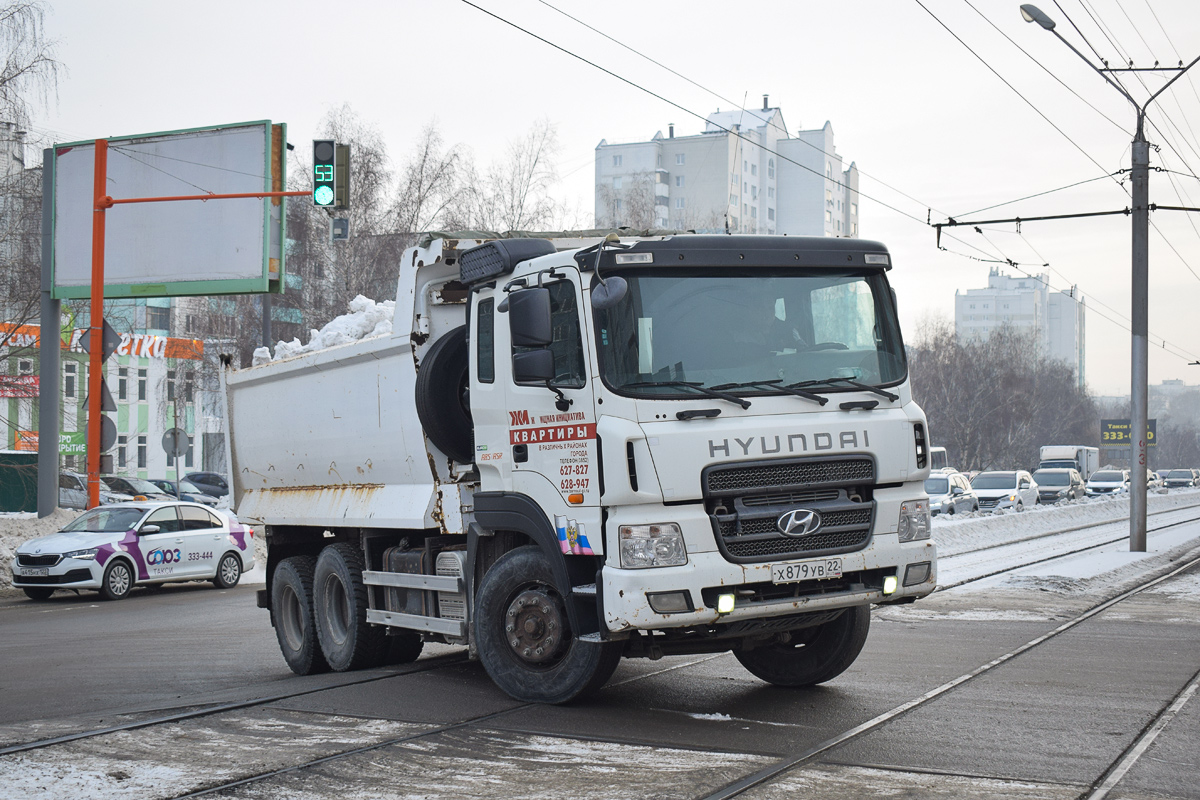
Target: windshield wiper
{"x": 774, "y": 384}
{"x": 849, "y": 382}
{"x": 699, "y": 387}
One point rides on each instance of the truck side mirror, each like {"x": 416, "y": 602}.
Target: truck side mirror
{"x": 529, "y": 318}
{"x": 534, "y": 366}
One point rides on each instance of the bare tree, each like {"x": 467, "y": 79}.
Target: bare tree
{"x": 429, "y": 188}
{"x": 31, "y": 68}
{"x": 993, "y": 403}
{"x": 29, "y": 73}
{"x": 514, "y": 193}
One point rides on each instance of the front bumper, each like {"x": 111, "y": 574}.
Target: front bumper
{"x": 707, "y": 574}
{"x": 69, "y": 573}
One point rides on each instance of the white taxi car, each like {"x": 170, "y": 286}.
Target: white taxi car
{"x": 115, "y": 547}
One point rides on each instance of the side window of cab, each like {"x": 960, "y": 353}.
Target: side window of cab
{"x": 570, "y": 368}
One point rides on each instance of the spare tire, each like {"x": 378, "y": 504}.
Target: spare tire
{"x": 442, "y": 396}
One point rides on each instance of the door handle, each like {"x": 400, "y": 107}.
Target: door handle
{"x": 179, "y": 541}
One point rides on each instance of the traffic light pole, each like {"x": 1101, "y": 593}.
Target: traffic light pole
{"x": 1140, "y": 270}
{"x": 101, "y": 204}
{"x": 96, "y": 350}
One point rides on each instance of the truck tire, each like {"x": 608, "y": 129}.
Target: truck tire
{"x": 347, "y": 640}
{"x": 403, "y": 648}
{"x": 524, "y": 637}
{"x": 813, "y": 655}
{"x": 441, "y": 396}
{"x": 292, "y": 605}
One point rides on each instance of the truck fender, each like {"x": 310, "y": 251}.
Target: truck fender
{"x": 509, "y": 511}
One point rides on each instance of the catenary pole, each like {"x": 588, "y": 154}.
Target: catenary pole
{"x": 1139, "y": 287}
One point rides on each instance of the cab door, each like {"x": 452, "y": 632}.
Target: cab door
{"x": 536, "y": 435}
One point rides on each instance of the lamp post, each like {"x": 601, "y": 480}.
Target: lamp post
{"x": 1140, "y": 174}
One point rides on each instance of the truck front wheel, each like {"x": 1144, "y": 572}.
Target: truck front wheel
{"x": 340, "y": 605}
{"x": 811, "y": 655}
{"x": 524, "y": 637}
{"x": 292, "y": 606}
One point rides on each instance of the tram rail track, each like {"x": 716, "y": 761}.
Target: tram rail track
{"x": 1098, "y": 791}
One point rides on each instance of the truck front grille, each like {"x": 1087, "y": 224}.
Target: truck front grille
{"x": 737, "y": 479}
{"x": 746, "y": 500}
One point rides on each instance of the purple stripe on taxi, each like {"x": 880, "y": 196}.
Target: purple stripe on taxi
{"x": 237, "y": 535}
{"x": 127, "y": 545}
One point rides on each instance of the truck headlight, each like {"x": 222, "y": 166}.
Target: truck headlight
{"x": 658, "y": 545}
{"x": 82, "y": 555}
{"x": 914, "y": 520}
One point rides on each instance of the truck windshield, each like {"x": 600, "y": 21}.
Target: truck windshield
{"x": 744, "y": 326}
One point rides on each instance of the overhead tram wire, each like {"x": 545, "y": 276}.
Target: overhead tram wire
{"x": 1178, "y": 57}
{"x": 1093, "y": 298}
{"x": 1116, "y": 46}
{"x": 1045, "y": 69}
{"x": 724, "y": 99}
{"x": 1039, "y": 194}
{"x": 1003, "y": 80}
{"x": 703, "y": 118}
{"x": 989, "y": 259}
{"x": 1046, "y": 282}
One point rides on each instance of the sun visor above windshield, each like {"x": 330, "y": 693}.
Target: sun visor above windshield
{"x": 752, "y": 251}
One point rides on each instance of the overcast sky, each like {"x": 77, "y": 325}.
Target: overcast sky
{"x": 928, "y": 122}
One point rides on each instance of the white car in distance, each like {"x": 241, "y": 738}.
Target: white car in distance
{"x": 1108, "y": 482}
{"x": 1001, "y": 489}
{"x": 115, "y": 547}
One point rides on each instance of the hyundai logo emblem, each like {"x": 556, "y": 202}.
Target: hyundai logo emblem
{"x": 799, "y": 522}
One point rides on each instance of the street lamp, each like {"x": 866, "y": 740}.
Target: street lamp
{"x": 1140, "y": 174}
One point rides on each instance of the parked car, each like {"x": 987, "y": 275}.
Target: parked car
{"x": 116, "y": 547}
{"x": 1153, "y": 479}
{"x": 72, "y": 492}
{"x": 1181, "y": 477}
{"x": 187, "y": 491}
{"x": 998, "y": 489}
{"x": 136, "y": 488}
{"x": 950, "y": 493}
{"x": 211, "y": 483}
{"x": 1107, "y": 482}
{"x": 1059, "y": 484}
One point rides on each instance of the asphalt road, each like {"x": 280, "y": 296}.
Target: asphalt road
{"x": 1047, "y": 723}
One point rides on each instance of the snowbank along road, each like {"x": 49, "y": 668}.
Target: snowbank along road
{"x": 1052, "y": 663}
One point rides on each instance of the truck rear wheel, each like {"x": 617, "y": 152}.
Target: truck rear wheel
{"x": 292, "y": 604}
{"x": 441, "y": 396}
{"x": 524, "y": 637}
{"x": 811, "y": 655}
{"x": 340, "y": 606}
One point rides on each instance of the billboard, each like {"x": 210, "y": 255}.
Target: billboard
{"x": 173, "y": 247}
{"x": 1115, "y": 433}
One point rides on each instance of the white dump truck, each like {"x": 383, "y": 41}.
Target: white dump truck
{"x": 686, "y": 444}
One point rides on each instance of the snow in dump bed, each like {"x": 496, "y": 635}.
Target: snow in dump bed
{"x": 365, "y": 320}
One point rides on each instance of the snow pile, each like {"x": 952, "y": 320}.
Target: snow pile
{"x": 968, "y": 531}
{"x": 365, "y": 320}
{"x": 16, "y": 529}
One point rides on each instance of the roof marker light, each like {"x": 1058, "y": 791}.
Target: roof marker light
{"x": 635, "y": 258}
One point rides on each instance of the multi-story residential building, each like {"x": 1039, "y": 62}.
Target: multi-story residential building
{"x": 1026, "y": 302}
{"x": 743, "y": 174}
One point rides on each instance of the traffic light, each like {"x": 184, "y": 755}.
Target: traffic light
{"x": 324, "y": 157}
